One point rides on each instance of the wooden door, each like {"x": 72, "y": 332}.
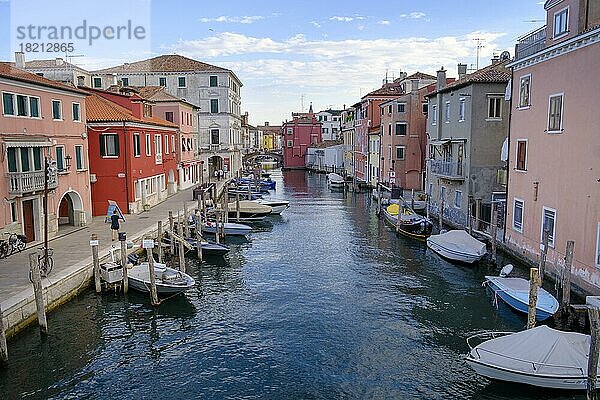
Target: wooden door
{"x": 28, "y": 220}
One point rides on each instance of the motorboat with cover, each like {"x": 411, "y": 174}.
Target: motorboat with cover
{"x": 539, "y": 356}
{"x": 278, "y": 206}
{"x": 335, "y": 180}
{"x": 230, "y": 228}
{"x": 411, "y": 224}
{"x": 168, "y": 280}
{"x": 249, "y": 210}
{"x": 515, "y": 293}
{"x": 457, "y": 245}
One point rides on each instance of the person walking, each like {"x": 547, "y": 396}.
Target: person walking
{"x": 216, "y": 175}
{"x": 221, "y": 174}
{"x": 114, "y": 224}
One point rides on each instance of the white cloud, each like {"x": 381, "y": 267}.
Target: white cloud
{"x": 315, "y": 24}
{"x": 414, "y": 15}
{"x": 234, "y": 19}
{"x": 328, "y": 71}
{"x": 346, "y": 19}
{"x": 383, "y": 22}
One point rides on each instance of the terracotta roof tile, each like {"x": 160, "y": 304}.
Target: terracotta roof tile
{"x": 493, "y": 73}
{"x": 420, "y": 75}
{"x": 164, "y": 63}
{"x": 99, "y": 109}
{"x": 7, "y": 70}
{"x": 388, "y": 89}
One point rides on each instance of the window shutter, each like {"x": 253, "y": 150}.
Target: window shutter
{"x": 102, "y": 146}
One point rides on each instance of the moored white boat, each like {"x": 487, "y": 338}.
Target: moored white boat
{"x": 540, "y": 356}
{"x": 335, "y": 180}
{"x": 515, "y": 293}
{"x": 278, "y": 206}
{"x": 230, "y": 228}
{"x": 168, "y": 280}
{"x": 457, "y": 245}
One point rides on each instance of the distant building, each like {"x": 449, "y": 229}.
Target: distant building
{"x": 553, "y": 157}
{"x": 42, "y": 119}
{"x": 271, "y": 136}
{"x": 133, "y": 154}
{"x": 327, "y": 156}
{"x": 299, "y": 133}
{"x": 348, "y": 135}
{"x": 57, "y": 70}
{"x": 215, "y": 90}
{"x": 331, "y": 123}
{"x": 467, "y": 124}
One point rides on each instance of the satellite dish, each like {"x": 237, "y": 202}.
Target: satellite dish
{"x": 505, "y": 55}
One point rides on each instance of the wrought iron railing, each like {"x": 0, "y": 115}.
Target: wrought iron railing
{"x": 530, "y": 43}
{"x": 448, "y": 169}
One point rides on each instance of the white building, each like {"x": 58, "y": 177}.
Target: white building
{"x": 326, "y": 156}
{"x": 214, "y": 89}
{"x": 331, "y": 120}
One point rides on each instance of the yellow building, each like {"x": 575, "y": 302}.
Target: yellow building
{"x": 268, "y": 141}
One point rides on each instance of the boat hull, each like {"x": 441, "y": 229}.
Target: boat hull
{"x": 503, "y": 374}
{"x": 142, "y": 283}
{"x": 519, "y": 305}
{"x": 232, "y": 229}
{"x": 415, "y": 231}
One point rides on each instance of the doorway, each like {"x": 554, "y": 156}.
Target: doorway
{"x": 28, "y": 220}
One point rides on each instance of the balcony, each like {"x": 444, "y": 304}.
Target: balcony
{"x": 20, "y": 183}
{"x": 447, "y": 169}
{"x": 530, "y": 43}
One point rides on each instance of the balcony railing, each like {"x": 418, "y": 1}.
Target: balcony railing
{"x": 447, "y": 169}
{"x": 530, "y": 43}
{"x": 20, "y": 183}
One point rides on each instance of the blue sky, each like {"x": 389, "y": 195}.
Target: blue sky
{"x": 329, "y": 51}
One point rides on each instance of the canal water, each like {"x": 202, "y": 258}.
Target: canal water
{"x": 324, "y": 302}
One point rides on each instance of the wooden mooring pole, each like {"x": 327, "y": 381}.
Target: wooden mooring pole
{"x": 186, "y": 226}
{"x": 533, "y": 294}
{"x": 565, "y": 300}
{"x": 3, "y": 346}
{"x": 237, "y": 207}
{"x": 594, "y": 316}
{"x": 123, "y": 240}
{"x": 441, "y": 214}
{"x": 148, "y": 245}
{"x": 400, "y": 207}
{"x": 427, "y": 204}
{"x": 494, "y": 230}
{"x": 543, "y": 253}
{"x": 199, "y": 238}
{"x": 159, "y": 239}
{"x": 39, "y": 295}
{"x": 180, "y": 249}
{"x": 412, "y": 199}
{"x": 172, "y": 242}
{"x": 96, "y": 262}
{"x": 470, "y": 216}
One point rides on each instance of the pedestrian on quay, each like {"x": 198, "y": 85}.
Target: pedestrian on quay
{"x": 114, "y": 224}
{"x": 221, "y": 174}
{"x": 216, "y": 175}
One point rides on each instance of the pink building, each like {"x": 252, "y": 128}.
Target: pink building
{"x": 298, "y": 134}
{"x": 554, "y": 181}
{"x": 42, "y": 119}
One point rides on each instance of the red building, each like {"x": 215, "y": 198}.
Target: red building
{"x": 298, "y": 134}
{"x": 132, "y": 154}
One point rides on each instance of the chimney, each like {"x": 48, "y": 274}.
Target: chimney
{"x": 266, "y": 123}
{"x": 80, "y": 80}
{"x": 59, "y": 61}
{"x": 114, "y": 80}
{"x": 414, "y": 85}
{"x": 20, "y": 59}
{"x": 310, "y": 109}
{"x": 441, "y": 79}
{"x": 462, "y": 70}
{"x": 137, "y": 108}
{"x": 495, "y": 59}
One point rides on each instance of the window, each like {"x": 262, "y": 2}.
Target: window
{"x": 97, "y": 81}
{"x": 14, "y": 217}
{"x": 549, "y": 224}
{"x": 525, "y": 91}
{"x": 461, "y": 109}
{"x": 433, "y": 115}
{"x": 494, "y": 107}
{"x": 136, "y": 145}
{"x": 169, "y": 116}
{"x": 442, "y": 192}
{"x": 12, "y": 159}
{"x": 76, "y": 114}
{"x": 447, "y": 112}
{"x": 8, "y": 106}
{"x": 290, "y": 143}
{"x": 173, "y": 143}
{"x": 181, "y": 82}
{"x": 555, "y": 105}
{"x": 457, "y": 198}
{"x": 521, "y": 155}
{"x": 162, "y": 81}
{"x": 214, "y": 136}
{"x": 401, "y": 107}
{"x": 561, "y": 22}
{"x": 37, "y": 159}
{"x": 325, "y": 130}
{"x": 60, "y": 159}
{"x": 401, "y": 128}
{"x": 56, "y": 109}
{"x": 183, "y": 145}
{"x": 214, "y": 81}
{"x": 148, "y": 145}
{"x": 214, "y": 106}
{"x": 430, "y": 189}
{"x": 109, "y": 145}
{"x": 79, "y": 157}
{"x": 158, "y": 145}
{"x": 147, "y": 110}
{"x": 425, "y": 107}
{"x": 597, "y": 246}
{"x": 382, "y": 110}
{"x": 25, "y": 165}
{"x": 125, "y": 81}
{"x": 22, "y": 108}
{"x": 166, "y": 144}
{"x": 518, "y": 215}
{"x": 390, "y": 109}
{"x": 399, "y": 152}
{"x": 34, "y": 107}
{"x": 290, "y": 131}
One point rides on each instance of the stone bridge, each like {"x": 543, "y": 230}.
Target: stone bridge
{"x": 274, "y": 155}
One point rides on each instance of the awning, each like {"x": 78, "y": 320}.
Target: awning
{"x": 445, "y": 141}
{"x": 27, "y": 141}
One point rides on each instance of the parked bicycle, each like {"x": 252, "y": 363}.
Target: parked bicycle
{"x": 45, "y": 267}
{"x": 13, "y": 243}
{"x": 5, "y": 248}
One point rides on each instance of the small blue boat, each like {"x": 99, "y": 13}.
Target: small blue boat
{"x": 515, "y": 293}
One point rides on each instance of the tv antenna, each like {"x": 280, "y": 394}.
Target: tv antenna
{"x": 302, "y": 102}
{"x": 480, "y": 45}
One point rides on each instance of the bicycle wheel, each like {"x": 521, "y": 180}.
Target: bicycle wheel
{"x": 20, "y": 245}
{"x": 4, "y": 249}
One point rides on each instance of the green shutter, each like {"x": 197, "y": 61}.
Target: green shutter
{"x": 8, "y": 104}
{"x": 25, "y": 159}
{"x": 102, "y": 146}
{"x": 12, "y": 159}
{"x": 37, "y": 159}
{"x": 60, "y": 158}
{"x": 79, "y": 157}
{"x": 34, "y": 107}
{"x": 116, "y": 139}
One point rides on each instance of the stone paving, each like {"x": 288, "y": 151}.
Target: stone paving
{"x": 73, "y": 246}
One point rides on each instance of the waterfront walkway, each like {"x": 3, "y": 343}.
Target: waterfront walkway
{"x": 73, "y": 247}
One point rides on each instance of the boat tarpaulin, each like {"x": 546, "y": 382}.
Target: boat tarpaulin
{"x": 335, "y": 178}
{"x": 459, "y": 241}
{"x": 538, "y": 351}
